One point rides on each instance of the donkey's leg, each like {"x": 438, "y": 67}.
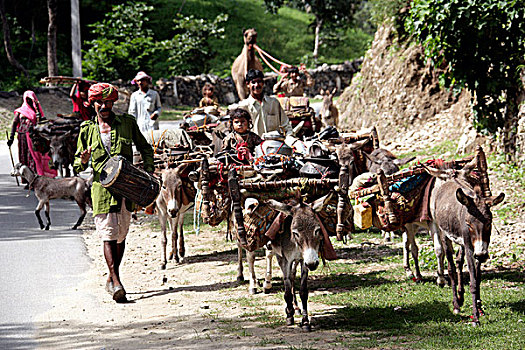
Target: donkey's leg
{"x": 267, "y": 286}
{"x": 250, "y": 257}
{"x": 414, "y": 249}
{"x": 449, "y": 251}
{"x": 174, "y": 238}
{"x": 474, "y": 286}
{"x": 286, "y": 268}
{"x": 240, "y": 276}
{"x": 163, "y": 239}
{"x": 440, "y": 255}
{"x": 182, "y": 249}
{"x": 460, "y": 259}
{"x": 37, "y": 213}
{"x": 292, "y": 280}
{"x": 303, "y": 292}
{"x": 82, "y": 205}
{"x": 48, "y": 208}
{"x": 478, "y": 287}
{"x": 408, "y": 233}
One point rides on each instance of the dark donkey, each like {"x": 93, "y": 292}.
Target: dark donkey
{"x": 299, "y": 242}
{"x": 460, "y": 214}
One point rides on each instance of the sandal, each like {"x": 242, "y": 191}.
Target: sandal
{"x": 119, "y": 294}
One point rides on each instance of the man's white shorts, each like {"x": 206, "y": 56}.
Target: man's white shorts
{"x": 113, "y": 226}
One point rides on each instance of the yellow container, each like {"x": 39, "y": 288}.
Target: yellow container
{"x": 363, "y": 215}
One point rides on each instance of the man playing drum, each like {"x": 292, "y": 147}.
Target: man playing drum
{"x": 101, "y": 138}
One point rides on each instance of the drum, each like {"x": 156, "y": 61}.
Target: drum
{"x": 122, "y": 178}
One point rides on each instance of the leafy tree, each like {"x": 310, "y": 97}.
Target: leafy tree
{"x": 483, "y": 44}
{"x": 123, "y": 45}
{"x": 189, "y": 50}
{"x": 328, "y": 14}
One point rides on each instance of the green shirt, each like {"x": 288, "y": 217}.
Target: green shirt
{"x": 124, "y": 133}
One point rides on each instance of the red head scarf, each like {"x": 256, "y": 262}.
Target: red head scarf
{"x": 26, "y": 110}
{"x": 102, "y": 92}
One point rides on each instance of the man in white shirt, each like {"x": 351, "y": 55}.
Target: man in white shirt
{"x": 266, "y": 111}
{"x": 144, "y": 104}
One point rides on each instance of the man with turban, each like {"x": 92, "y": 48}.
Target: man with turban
{"x": 104, "y": 136}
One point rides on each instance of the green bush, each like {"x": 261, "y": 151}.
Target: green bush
{"x": 124, "y": 45}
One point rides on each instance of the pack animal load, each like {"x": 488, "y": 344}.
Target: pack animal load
{"x": 122, "y": 178}
{"x": 298, "y": 110}
{"x": 199, "y": 124}
{"x": 58, "y": 137}
{"x": 404, "y": 196}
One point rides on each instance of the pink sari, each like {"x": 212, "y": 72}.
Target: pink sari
{"x": 41, "y": 160}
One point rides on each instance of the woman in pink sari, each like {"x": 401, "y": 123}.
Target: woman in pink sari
{"x": 29, "y": 114}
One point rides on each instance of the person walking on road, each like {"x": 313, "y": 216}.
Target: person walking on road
{"x": 104, "y": 136}
{"x": 27, "y": 116}
{"x": 145, "y": 104}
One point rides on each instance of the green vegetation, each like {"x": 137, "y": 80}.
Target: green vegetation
{"x": 167, "y": 37}
{"x": 482, "y": 44}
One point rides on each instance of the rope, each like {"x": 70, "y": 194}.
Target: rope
{"x": 155, "y": 146}
{"x": 259, "y": 50}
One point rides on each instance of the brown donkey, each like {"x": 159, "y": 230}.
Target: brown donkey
{"x": 461, "y": 215}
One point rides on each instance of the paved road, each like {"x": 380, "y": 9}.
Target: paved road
{"x": 35, "y": 266}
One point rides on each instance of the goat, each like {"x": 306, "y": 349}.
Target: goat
{"x": 172, "y": 203}
{"x": 47, "y": 188}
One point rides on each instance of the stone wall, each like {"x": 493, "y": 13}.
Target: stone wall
{"x": 186, "y": 90}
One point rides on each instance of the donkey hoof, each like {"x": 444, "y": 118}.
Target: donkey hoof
{"x": 47, "y": 227}
{"x": 182, "y": 253}
{"x": 74, "y": 227}
{"x": 289, "y": 321}
{"x": 456, "y": 311}
{"x": 162, "y": 266}
{"x": 267, "y": 290}
{"x": 475, "y": 323}
{"x": 253, "y": 291}
{"x": 240, "y": 279}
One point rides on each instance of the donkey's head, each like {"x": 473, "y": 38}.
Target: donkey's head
{"x": 478, "y": 220}
{"x": 59, "y": 149}
{"x": 305, "y": 228}
{"x": 172, "y": 190}
{"x": 346, "y": 155}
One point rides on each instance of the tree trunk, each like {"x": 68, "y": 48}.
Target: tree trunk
{"x": 318, "y": 25}
{"x": 52, "y": 65}
{"x": 511, "y": 124}
{"x": 76, "y": 53}
{"x": 7, "y": 41}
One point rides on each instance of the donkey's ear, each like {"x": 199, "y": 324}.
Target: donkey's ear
{"x": 334, "y": 91}
{"x": 358, "y": 144}
{"x": 321, "y": 92}
{"x": 462, "y": 197}
{"x": 282, "y": 207}
{"x": 403, "y": 161}
{"x": 322, "y": 202}
{"x": 492, "y": 201}
{"x": 441, "y": 174}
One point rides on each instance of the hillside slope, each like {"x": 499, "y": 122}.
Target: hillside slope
{"x": 398, "y": 91}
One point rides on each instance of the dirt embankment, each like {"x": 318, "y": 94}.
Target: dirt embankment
{"x": 398, "y": 91}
